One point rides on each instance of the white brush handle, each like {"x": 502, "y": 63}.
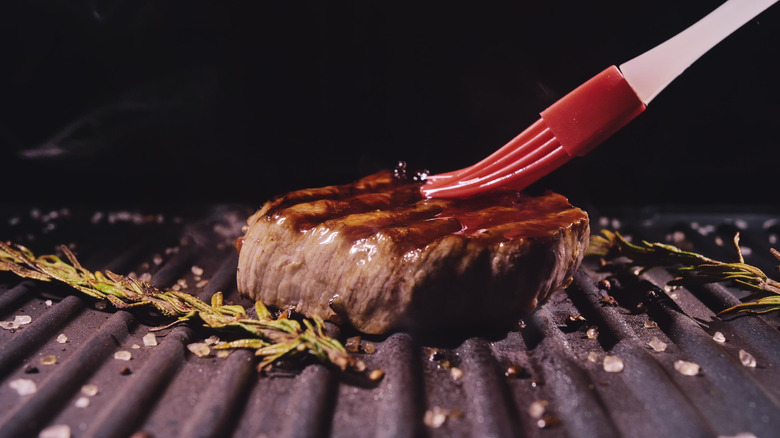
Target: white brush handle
{"x": 652, "y": 71}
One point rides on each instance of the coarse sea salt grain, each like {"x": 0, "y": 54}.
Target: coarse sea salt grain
{"x": 89, "y": 389}
{"x": 650, "y": 324}
{"x": 49, "y": 360}
{"x": 435, "y": 417}
{"x": 537, "y": 408}
{"x": 718, "y": 337}
{"x": 23, "y": 386}
{"x": 747, "y": 359}
{"x": 593, "y": 356}
{"x": 9, "y": 325}
{"x": 686, "y": 368}
{"x": 61, "y": 338}
{"x": 150, "y": 340}
{"x": 612, "y": 364}
{"x": 56, "y": 431}
{"x": 200, "y": 349}
{"x": 197, "y": 270}
{"x": 657, "y": 344}
{"x": 81, "y": 402}
{"x": 123, "y": 355}
{"x": 23, "y": 319}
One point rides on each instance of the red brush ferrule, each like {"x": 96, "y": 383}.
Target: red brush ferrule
{"x": 593, "y": 111}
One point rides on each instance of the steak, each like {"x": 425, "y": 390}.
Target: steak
{"x": 376, "y": 255}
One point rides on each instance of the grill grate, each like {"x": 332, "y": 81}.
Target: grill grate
{"x": 550, "y": 362}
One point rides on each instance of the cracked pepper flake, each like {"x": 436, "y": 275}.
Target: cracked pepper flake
{"x": 687, "y": 368}
{"x": 123, "y": 355}
{"x": 435, "y": 417}
{"x": 747, "y": 359}
{"x": 89, "y": 390}
{"x": 23, "y": 386}
{"x": 657, "y": 344}
{"x": 61, "y": 338}
{"x": 150, "y": 340}
{"x": 612, "y": 364}
{"x": 49, "y": 360}
{"x": 56, "y": 431}
{"x": 537, "y": 408}
{"x": 81, "y": 402}
{"x": 718, "y": 337}
{"x": 199, "y": 349}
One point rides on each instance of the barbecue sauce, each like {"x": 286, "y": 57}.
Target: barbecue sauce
{"x": 394, "y": 207}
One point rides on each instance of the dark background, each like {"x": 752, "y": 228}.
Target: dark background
{"x": 136, "y": 101}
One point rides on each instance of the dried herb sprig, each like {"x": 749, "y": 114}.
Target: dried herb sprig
{"x": 695, "y": 269}
{"x": 271, "y": 338}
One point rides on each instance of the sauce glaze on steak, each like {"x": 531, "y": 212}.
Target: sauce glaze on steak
{"x": 377, "y": 255}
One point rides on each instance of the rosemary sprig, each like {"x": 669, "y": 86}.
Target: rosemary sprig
{"x": 271, "y": 338}
{"x": 695, "y": 269}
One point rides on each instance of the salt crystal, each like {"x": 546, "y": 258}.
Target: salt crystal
{"x": 182, "y": 282}
{"x": 741, "y": 224}
{"x": 89, "y": 390}
{"x": 650, "y": 324}
{"x": 747, "y": 359}
{"x": 201, "y": 284}
{"x": 145, "y": 277}
{"x": 612, "y": 364}
{"x": 657, "y": 344}
{"x": 537, "y": 408}
{"x": 150, "y": 340}
{"x": 157, "y": 259}
{"x": 135, "y": 347}
{"x": 435, "y": 417}
{"x": 592, "y": 333}
{"x": 81, "y": 402}
{"x": 123, "y": 355}
{"x": 56, "y": 431}
{"x": 23, "y": 319}
{"x": 718, "y": 337}
{"x": 718, "y": 241}
{"x": 746, "y": 250}
{"x": 61, "y": 338}
{"x": 773, "y": 239}
{"x": 23, "y": 386}
{"x": 48, "y": 303}
{"x": 604, "y": 221}
{"x": 686, "y": 368}
{"x": 197, "y": 270}
{"x": 456, "y": 373}
{"x": 200, "y": 349}
{"x": 49, "y": 360}
{"x": 211, "y": 340}
{"x": 593, "y": 357}
{"x": 9, "y": 325}
{"x": 223, "y": 354}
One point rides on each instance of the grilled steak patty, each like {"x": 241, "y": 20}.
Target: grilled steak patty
{"x": 376, "y": 255}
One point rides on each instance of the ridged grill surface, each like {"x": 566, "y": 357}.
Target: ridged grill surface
{"x": 479, "y": 384}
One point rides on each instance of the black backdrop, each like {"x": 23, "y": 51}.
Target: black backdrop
{"x": 137, "y": 101}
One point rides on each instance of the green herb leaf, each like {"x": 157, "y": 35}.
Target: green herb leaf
{"x": 271, "y": 338}
{"x": 694, "y": 269}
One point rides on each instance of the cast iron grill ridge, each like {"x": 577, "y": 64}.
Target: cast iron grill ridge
{"x": 167, "y": 391}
